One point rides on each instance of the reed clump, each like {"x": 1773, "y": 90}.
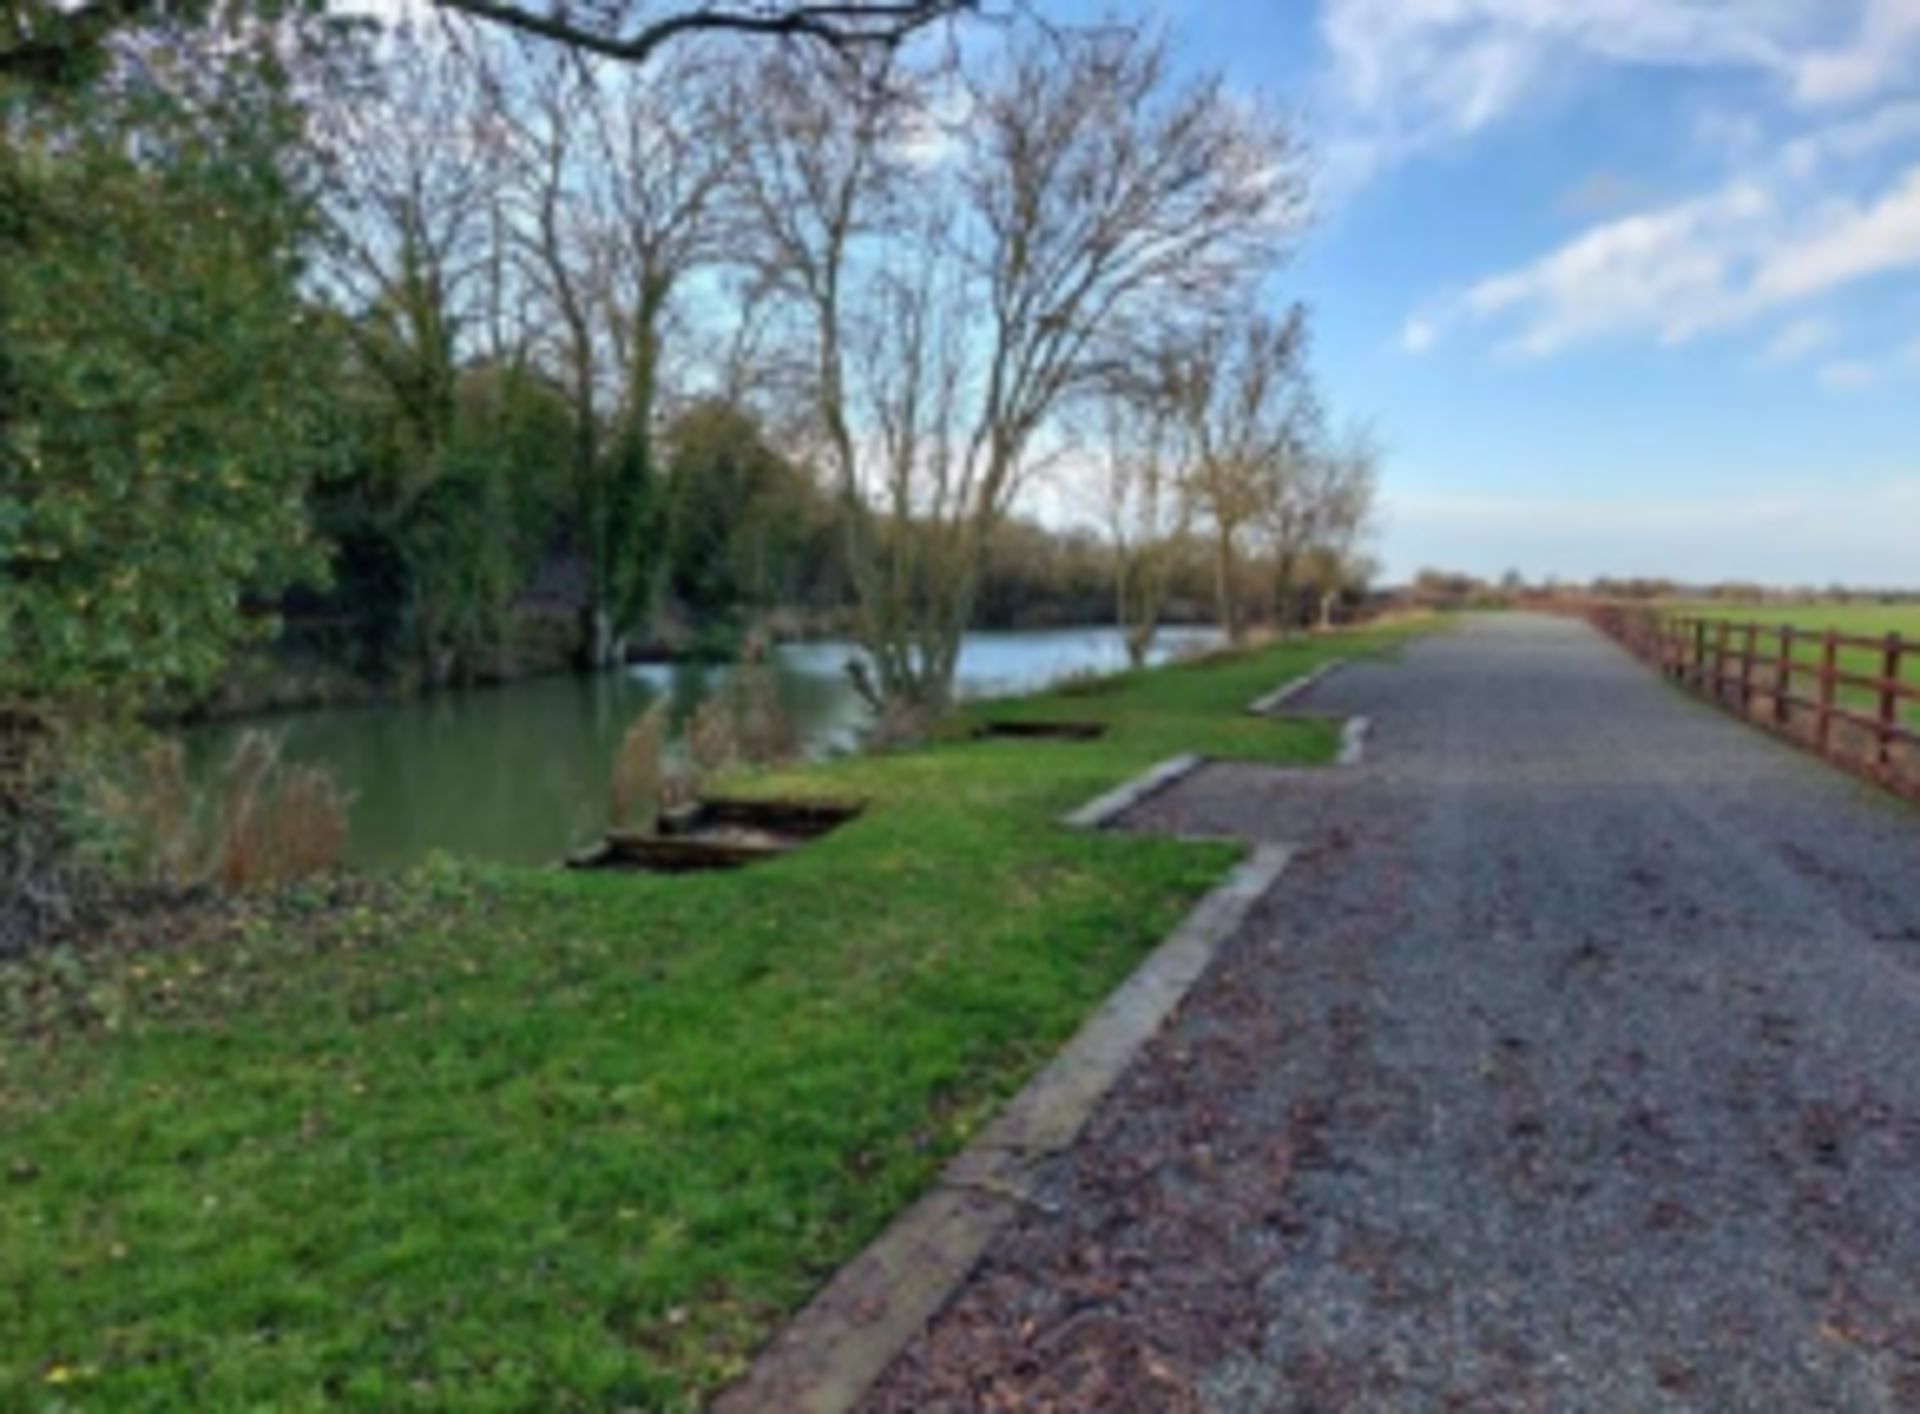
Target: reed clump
{"x": 267, "y": 821}
{"x": 745, "y": 723}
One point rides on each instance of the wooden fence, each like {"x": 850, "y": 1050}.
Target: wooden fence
{"x": 1852, "y": 698}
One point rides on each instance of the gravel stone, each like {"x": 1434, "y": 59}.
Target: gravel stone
{"x": 1574, "y": 1065}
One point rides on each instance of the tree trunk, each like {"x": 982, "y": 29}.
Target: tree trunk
{"x": 1285, "y": 592}
{"x": 1140, "y": 644}
{"x": 603, "y": 646}
{"x": 1141, "y": 589}
{"x": 629, "y": 480}
{"x": 1226, "y": 608}
{"x": 1129, "y": 610}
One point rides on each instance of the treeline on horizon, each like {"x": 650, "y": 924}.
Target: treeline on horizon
{"x": 746, "y": 540}
{"x": 1452, "y": 588}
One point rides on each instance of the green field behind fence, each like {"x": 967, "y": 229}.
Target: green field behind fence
{"x": 1811, "y": 621}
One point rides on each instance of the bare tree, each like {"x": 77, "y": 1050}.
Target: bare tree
{"x": 612, "y": 195}
{"x": 1145, "y": 503}
{"x": 1295, "y": 499}
{"x": 416, "y": 261}
{"x": 819, "y": 189}
{"x": 1343, "y": 487}
{"x": 1082, "y": 193}
{"x": 413, "y": 249}
{"x": 1243, "y": 398}
{"x": 562, "y": 233}
{"x": 663, "y": 141}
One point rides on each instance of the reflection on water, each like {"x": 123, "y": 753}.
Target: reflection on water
{"x": 519, "y": 773}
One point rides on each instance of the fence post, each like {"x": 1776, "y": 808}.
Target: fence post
{"x": 1783, "y": 678}
{"x": 1890, "y": 698}
{"x": 1829, "y": 671}
{"x": 1722, "y": 643}
{"x": 1699, "y": 673}
{"x": 1747, "y": 656}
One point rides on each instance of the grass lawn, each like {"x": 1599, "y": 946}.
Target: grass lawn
{"x": 530, "y": 1140}
{"x": 1866, "y": 620}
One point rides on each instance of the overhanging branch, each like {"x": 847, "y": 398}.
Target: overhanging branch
{"x": 841, "y": 25}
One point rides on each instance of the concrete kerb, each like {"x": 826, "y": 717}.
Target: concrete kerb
{"x": 1273, "y": 701}
{"x": 828, "y": 1357}
{"x": 1353, "y": 731}
{"x": 1104, "y": 810}
{"x": 1353, "y": 741}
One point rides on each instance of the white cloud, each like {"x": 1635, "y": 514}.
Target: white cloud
{"x": 1665, "y": 273}
{"x": 1848, "y": 375}
{"x": 1418, "y": 336}
{"x": 1847, "y": 244}
{"x": 1735, "y": 137}
{"x": 1852, "y": 375}
{"x": 932, "y": 130}
{"x": 1876, "y": 54}
{"x": 1755, "y": 246}
{"x": 389, "y": 12}
{"x": 1799, "y": 340}
{"x": 1893, "y": 125}
{"x": 1409, "y": 75}
{"x": 1789, "y": 224}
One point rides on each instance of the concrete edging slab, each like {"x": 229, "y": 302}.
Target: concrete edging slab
{"x": 1103, "y": 810}
{"x": 828, "y": 1356}
{"x": 1353, "y": 741}
{"x": 1273, "y": 701}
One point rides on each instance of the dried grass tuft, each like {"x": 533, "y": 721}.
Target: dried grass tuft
{"x": 712, "y": 741}
{"x": 167, "y": 826}
{"x": 268, "y": 822}
{"x": 306, "y": 825}
{"x": 744, "y": 722}
{"x": 277, "y": 822}
{"x": 897, "y": 726}
{"x": 766, "y": 732}
{"x": 639, "y": 771}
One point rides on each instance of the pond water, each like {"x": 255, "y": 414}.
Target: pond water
{"x": 520, "y": 774}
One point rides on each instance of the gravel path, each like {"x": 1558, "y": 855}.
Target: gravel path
{"x": 1575, "y": 1065}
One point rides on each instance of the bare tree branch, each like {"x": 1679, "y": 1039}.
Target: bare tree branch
{"x": 1245, "y": 399}
{"x": 42, "y": 41}
{"x": 841, "y": 25}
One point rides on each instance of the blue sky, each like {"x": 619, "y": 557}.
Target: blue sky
{"x": 1626, "y": 286}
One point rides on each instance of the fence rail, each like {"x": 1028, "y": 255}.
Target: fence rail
{"x": 1848, "y": 696}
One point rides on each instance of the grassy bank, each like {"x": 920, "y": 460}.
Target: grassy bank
{"x": 525, "y": 1140}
